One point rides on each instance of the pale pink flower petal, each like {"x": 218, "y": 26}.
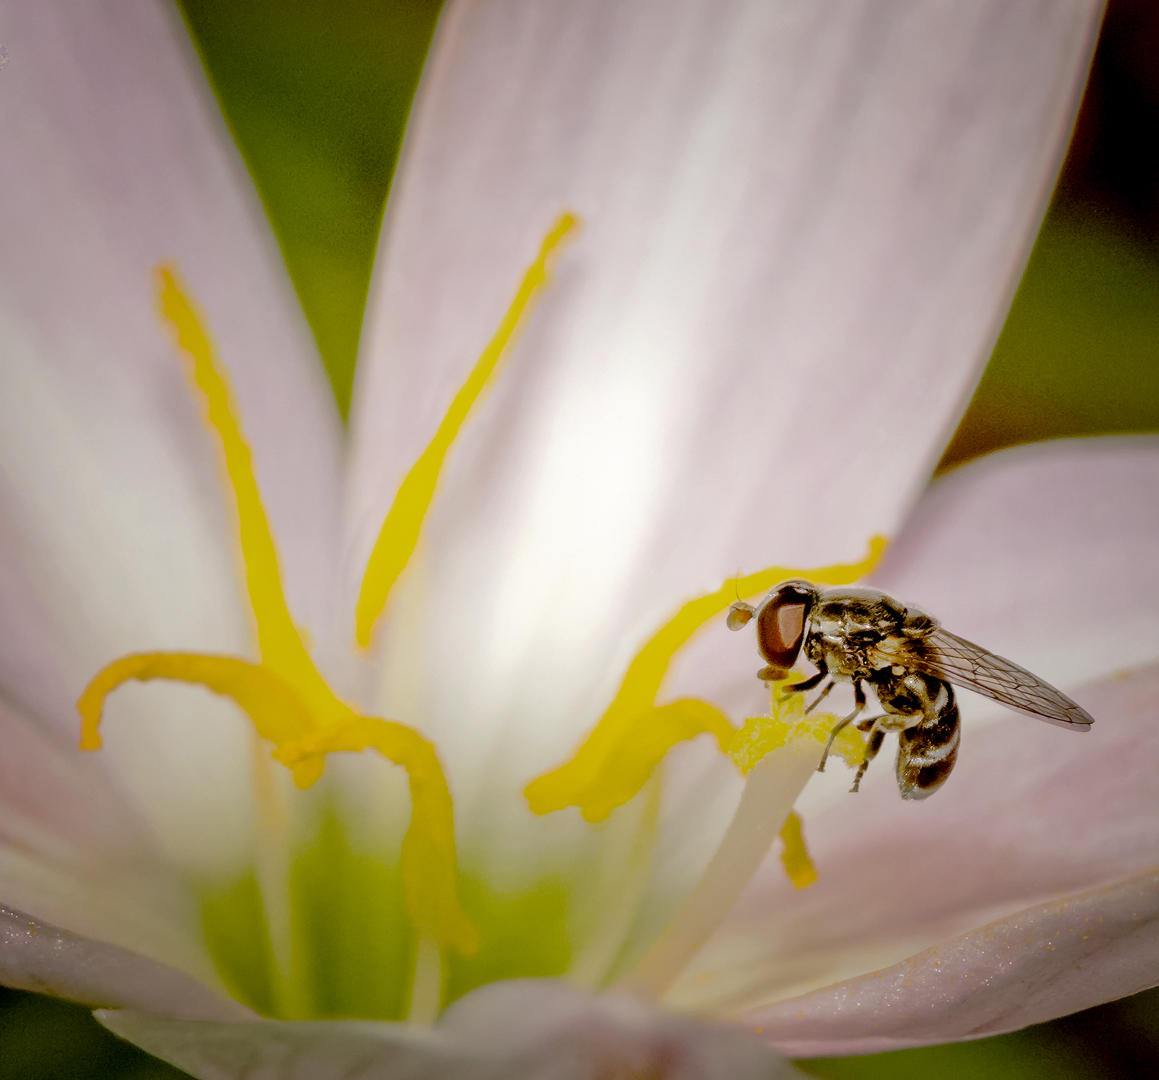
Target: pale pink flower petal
{"x": 524, "y": 1030}
{"x": 1044, "y": 554}
{"x": 114, "y": 535}
{"x": 74, "y": 852}
{"x": 1058, "y": 541}
{"x": 1047, "y": 961}
{"x": 801, "y": 224}
{"x": 37, "y": 956}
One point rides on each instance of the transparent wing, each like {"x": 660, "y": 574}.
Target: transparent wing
{"x": 960, "y": 661}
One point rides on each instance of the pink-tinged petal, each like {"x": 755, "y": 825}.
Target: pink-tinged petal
{"x": 280, "y": 1050}
{"x": 72, "y": 850}
{"x": 1031, "y": 813}
{"x": 114, "y": 534}
{"x": 561, "y": 1031}
{"x": 1044, "y": 554}
{"x": 524, "y": 1030}
{"x": 1046, "y": 961}
{"x": 800, "y": 225}
{"x": 37, "y": 956}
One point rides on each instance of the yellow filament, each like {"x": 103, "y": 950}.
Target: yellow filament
{"x": 285, "y": 695}
{"x": 399, "y": 534}
{"x": 795, "y": 858}
{"x": 279, "y": 642}
{"x": 633, "y": 735}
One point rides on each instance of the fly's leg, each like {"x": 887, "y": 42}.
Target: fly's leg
{"x": 859, "y": 702}
{"x": 875, "y": 741}
{"x": 820, "y": 697}
{"x": 808, "y": 684}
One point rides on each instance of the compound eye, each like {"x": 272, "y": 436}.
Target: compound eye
{"x": 781, "y": 624}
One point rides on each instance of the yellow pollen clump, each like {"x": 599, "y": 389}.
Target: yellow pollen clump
{"x": 762, "y": 735}
{"x": 795, "y": 858}
{"x": 632, "y": 737}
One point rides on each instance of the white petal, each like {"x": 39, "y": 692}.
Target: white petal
{"x": 525, "y": 1030}
{"x": 800, "y": 225}
{"x": 1046, "y": 961}
{"x": 36, "y": 956}
{"x": 114, "y": 531}
{"x": 1031, "y": 813}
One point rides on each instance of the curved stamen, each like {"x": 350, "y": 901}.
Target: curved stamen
{"x": 285, "y": 695}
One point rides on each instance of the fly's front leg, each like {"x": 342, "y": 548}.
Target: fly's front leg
{"x": 871, "y": 749}
{"x": 809, "y": 683}
{"x": 859, "y": 702}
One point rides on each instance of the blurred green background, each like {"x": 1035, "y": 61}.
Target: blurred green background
{"x": 317, "y": 93}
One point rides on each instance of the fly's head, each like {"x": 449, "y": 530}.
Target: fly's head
{"x": 782, "y": 623}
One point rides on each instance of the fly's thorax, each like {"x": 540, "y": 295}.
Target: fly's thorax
{"x": 847, "y": 629}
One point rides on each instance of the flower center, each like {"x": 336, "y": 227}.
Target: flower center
{"x": 294, "y": 710}
{"x": 284, "y": 694}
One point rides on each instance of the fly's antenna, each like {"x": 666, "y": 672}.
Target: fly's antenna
{"x": 739, "y": 612}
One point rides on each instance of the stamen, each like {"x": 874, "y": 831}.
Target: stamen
{"x": 285, "y": 695}
{"x": 771, "y": 788}
{"x": 279, "y": 642}
{"x": 278, "y": 712}
{"x": 426, "y": 987}
{"x": 428, "y": 849}
{"x": 399, "y": 534}
{"x": 634, "y": 734}
{"x": 798, "y": 866}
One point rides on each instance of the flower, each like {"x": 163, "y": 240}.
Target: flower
{"x": 799, "y": 232}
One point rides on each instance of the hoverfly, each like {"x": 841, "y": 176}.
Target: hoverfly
{"x": 864, "y": 636}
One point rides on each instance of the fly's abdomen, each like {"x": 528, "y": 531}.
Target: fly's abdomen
{"x": 926, "y": 752}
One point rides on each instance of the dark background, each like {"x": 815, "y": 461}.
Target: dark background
{"x": 317, "y": 92}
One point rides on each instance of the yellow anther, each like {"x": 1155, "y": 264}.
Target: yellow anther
{"x": 795, "y": 858}
{"x": 632, "y": 737}
{"x": 284, "y": 694}
{"x": 399, "y": 534}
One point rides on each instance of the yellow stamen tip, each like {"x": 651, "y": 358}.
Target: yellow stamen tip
{"x": 399, "y": 535}
{"x": 795, "y": 858}
{"x": 600, "y": 778}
